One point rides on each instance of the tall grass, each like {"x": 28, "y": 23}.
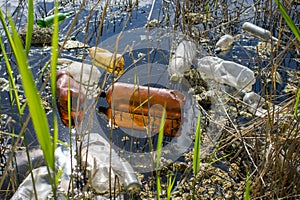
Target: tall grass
{"x": 288, "y": 20}
{"x": 275, "y": 155}
{"x": 197, "y": 151}
{"x": 33, "y": 99}
{"x": 158, "y": 153}
{"x": 296, "y": 32}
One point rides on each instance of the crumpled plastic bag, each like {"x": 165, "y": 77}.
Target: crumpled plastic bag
{"x": 43, "y": 188}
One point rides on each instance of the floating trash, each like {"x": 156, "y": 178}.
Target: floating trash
{"x": 42, "y": 186}
{"x": 96, "y": 149}
{"x": 47, "y": 22}
{"x": 256, "y": 104}
{"x": 108, "y": 61}
{"x": 181, "y": 61}
{"x": 65, "y": 84}
{"x": 73, "y": 44}
{"x": 226, "y": 72}
{"x": 224, "y": 43}
{"x": 86, "y": 74}
{"x": 145, "y": 105}
{"x": 258, "y": 31}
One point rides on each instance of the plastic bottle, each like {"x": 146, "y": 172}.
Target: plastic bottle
{"x": 224, "y": 43}
{"x": 48, "y": 21}
{"x": 130, "y": 106}
{"x": 258, "y": 31}
{"x": 64, "y": 83}
{"x": 226, "y": 72}
{"x": 95, "y": 149}
{"x": 106, "y": 60}
{"x": 181, "y": 61}
{"x": 255, "y": 102}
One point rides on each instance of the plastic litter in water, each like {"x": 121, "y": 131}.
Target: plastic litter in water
{"x": 255, "y": 104}
{"x": 98, "y": 160}
{"x": 181, "y": 61}
{"x": 64, "y": 83}
{"x": 107, "y": 60}
{"x": 258, "y": 31}
{"x": 226, "y": 72}
{"x": 47, "y": 22}
{"x": 145, "y": 102}
{"x": 224, "y": 43}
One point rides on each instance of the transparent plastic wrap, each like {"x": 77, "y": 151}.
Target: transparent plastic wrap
{"x": 226, "y": 72}
{"x": 42, "y": 186}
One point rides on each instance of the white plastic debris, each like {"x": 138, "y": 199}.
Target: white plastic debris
{"x": 226, "y": 72}
{"x": 181, "y": 61}
{"x": 258, "y": 32}
{"x": 42, "y": 186}
{"x": 224, "y": 43}
{"x": 97, "y": 150}
{"x": 255, "y": 104}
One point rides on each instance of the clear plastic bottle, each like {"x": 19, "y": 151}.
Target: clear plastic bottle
{"x": 98, "y": 161}
{"x": 226, "y": 72}
{"x": 181, "y": 61}
{"x": 107, "y": 60}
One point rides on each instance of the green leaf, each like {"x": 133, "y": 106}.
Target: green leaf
{"x": 53, "y": 65}
{"x": 288, "y": 20}
{"x": 12, "y": 85}
{"x": 158, "y": 152}
{"x": 30, "y": 22}
{"x": 197, "y": 147}
{"x": 37, "y": 112}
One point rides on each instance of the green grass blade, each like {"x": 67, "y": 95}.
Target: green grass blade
{"x": 170, "y": 184}
{"x": 197, "y": 147}
{"x": 160, "y": 139}
{"x": 37, "y": 112}
{"x": 296, "y": 107}
{"x": 53, "y": 65}
{"x": 158, "y": 152}
{"x": 288, "y": 20}
{"x": 247, "y": 189}
{"x": 30, "y": 22}
{"x": 12, "y": 85}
